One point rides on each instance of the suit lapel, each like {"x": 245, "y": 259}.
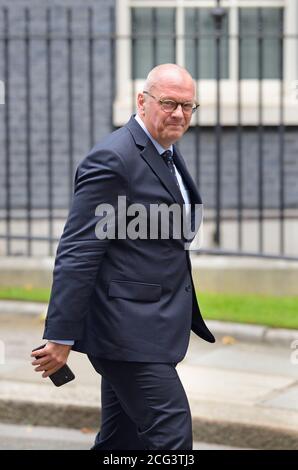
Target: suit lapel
{"x": 154, "y": 160}
{"x": 157, "y": 165}
{"x": 190, "y": 184}
{"x": 195, "y": 198}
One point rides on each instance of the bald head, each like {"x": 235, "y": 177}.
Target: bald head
{"x": 167, "y": 83}
{"x": 169, "y": 74}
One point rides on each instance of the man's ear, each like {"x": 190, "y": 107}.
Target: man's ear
{"x": 141, "y": 103}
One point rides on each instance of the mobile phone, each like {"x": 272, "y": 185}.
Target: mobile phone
{"x": 62, "y": 375}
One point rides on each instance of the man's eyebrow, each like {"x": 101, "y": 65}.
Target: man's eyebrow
{"x": 173, "y": 99}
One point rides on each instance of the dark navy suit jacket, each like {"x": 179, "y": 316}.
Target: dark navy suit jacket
{"x": 123, "y": 299}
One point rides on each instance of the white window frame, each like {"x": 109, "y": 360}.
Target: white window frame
{"x": 126, "y": 89}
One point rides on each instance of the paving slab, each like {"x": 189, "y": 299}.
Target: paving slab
{"x": 240, "y": 394}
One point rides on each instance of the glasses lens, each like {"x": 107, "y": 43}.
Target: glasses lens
{"x": 168, "y": 105}
{"x": 188, "y": 107}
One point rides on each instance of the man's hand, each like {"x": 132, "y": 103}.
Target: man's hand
{"x": 52, "y": 357}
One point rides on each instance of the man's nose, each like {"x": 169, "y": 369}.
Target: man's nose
{"x": 178, "y": 111}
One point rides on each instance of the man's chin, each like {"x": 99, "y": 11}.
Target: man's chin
{"x": 173, "y": 134}
{"x": 176, "y": 133}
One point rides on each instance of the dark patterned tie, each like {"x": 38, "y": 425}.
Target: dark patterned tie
{"x": 168, "y": 158}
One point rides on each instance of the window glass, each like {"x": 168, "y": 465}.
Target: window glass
{"x": 154, "y": 41}
{"x": 200, "y": 46}
{"x": 269, "y": 22}
{"x": 157, "y": 26}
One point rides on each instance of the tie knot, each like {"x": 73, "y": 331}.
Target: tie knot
{"x": 168, "y": 159}
{"x": 167, "y": 156}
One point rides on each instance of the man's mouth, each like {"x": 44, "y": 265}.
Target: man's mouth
{"x": 175, "y": 124}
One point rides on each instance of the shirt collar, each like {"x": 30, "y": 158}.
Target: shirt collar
{"x": 156, "y": 144}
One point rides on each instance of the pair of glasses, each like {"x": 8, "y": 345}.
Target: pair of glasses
{"x": 170, "y": 105}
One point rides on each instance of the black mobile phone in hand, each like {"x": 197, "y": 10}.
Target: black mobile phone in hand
{"x": 61, "y": 376}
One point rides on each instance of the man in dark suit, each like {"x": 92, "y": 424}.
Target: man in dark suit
{"x": 129, "y": 302}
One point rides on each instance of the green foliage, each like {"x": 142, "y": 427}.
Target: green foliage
{"x": 279, "y": 312}
{"x": 25, "y": 293}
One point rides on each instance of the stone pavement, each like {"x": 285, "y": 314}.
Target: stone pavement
{"x": 241, "y": 393}
{"x": 27, "y": 437}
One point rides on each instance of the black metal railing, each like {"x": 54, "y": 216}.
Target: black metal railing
{"x": 60, "y": 88}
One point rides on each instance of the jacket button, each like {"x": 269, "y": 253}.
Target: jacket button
{"x": 188, "y": 288}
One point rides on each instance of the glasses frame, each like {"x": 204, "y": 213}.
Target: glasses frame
{"x": 161, "y": 102}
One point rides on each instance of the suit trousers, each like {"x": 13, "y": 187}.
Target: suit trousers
{"x": 144, "y": 407}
